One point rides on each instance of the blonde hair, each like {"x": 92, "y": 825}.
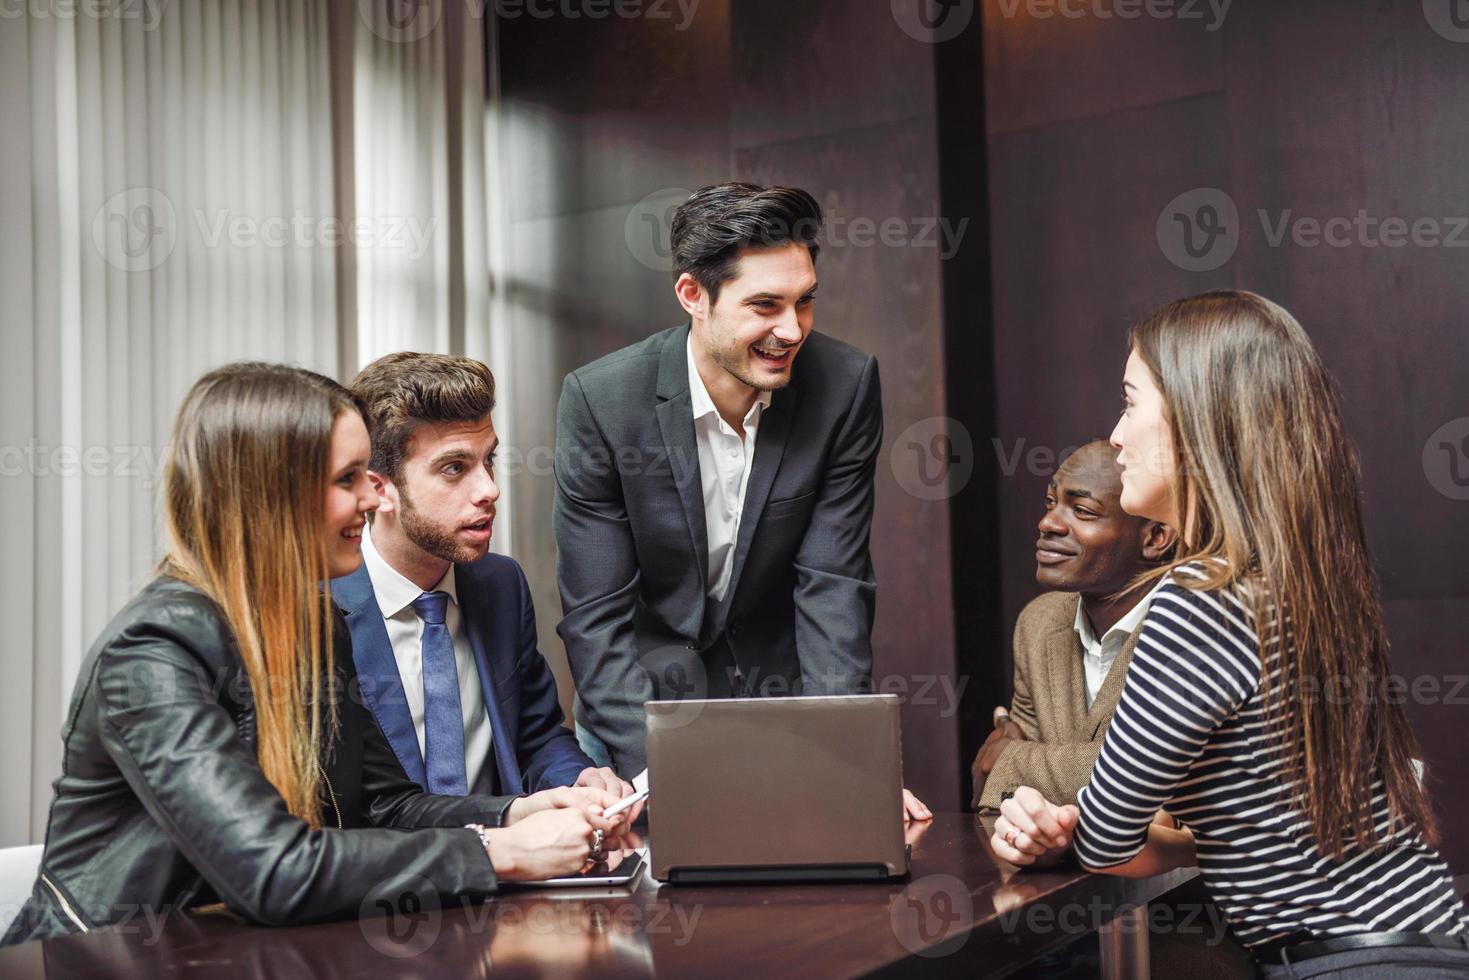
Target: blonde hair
{"x": 245, "y": 496}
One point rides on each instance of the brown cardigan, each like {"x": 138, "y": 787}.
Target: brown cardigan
{"x": 1050, "y": 705}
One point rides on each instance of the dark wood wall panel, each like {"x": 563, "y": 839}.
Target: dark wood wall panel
{"x": 1043, "y": 70}
{"x": 1076, "y": 259}
{"x": 803, "y": 69}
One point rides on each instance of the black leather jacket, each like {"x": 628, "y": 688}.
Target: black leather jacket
{"x": 162, "y": 805}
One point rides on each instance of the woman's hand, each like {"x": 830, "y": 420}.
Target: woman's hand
{"x": 1032, "y": 830}
{"x": 549, "y": 843}
{"x": 587, "y": 799}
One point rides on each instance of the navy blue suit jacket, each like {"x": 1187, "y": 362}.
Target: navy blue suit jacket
{"x": 533, "y": 748}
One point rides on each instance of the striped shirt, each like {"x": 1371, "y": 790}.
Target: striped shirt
{"x": 1188, "y": 735}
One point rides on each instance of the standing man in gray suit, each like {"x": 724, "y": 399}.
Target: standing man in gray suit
{"x": 714, "y": 485}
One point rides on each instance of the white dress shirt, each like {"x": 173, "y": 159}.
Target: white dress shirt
{"x": 1098, "y": 655}
{"x": 395, "y": 595}
{"x": 724, "y": 470}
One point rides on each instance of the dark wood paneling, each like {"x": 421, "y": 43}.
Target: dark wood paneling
{"x": 803, "y": 69}
{"x": 602, "y": 112}
{"x": 886, "y": 300}
{"x": 1074, "y": 209}
{"x": 1337, "y": 109}
{"x": 1052, "y": 68}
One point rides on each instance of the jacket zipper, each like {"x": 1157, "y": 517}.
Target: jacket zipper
{"x": 65, "y": 905}
{"x": 333, "y": 794}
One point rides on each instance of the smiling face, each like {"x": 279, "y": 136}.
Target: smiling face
{"x": 1144, "y": 444}
{"x": 350, "y": 496}
{"x": 1087, "y": 543}
{"x": 755, "y": 328}
{"x": 444, "y": 501}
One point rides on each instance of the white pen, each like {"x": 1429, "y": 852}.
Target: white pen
{"x": 624, "y": 803}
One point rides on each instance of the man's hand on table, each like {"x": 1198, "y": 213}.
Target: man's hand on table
{"x": 1033, "y": 831}
{"x": 913, "y": 808}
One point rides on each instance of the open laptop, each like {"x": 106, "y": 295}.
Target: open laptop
{"x": 776, "y": 789}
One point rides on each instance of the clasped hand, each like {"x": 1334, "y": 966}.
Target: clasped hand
{"x": 1031, "y": 830}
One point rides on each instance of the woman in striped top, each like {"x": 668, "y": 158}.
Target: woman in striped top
{"x": 1258, "y": 709}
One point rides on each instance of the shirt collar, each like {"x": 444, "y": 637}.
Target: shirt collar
{"x": 1125, "y": 625}
{"x": 393, "y": 591}
{"x": 699, "y": 398}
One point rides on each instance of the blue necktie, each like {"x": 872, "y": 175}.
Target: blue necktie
{"x": 443, "y": 719}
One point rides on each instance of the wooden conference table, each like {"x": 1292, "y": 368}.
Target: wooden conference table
{"x": 961, "y": 913}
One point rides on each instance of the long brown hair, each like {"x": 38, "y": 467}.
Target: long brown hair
{"x": 1267, "y": 480}
{"x": 245, "y": 496}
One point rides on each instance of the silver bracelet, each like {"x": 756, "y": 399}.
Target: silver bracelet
{"x": 483, "y": 832}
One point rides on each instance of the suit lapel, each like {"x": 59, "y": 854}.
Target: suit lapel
{"x": 1069, "y": 677}
{"x": 770, "y": 447}
{"x": 377, "y": 669}
{"x": 476, "y": 608}
{"x": 676, "y": 424}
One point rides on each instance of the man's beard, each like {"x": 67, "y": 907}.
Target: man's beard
{"x": 736, "y": 361}
{"x": 429, "y": 536}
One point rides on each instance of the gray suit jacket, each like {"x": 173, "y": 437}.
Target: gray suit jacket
{"x": 632, "y": 548}
{"x": 1050, "y": 705}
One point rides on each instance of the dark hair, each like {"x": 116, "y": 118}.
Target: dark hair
{"x": 405, "y": 390}
{"x": 710, "y": 228}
